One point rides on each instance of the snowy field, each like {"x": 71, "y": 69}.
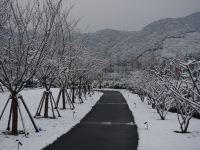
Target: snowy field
{"x": 161, "y": 135}
{"x": 50, "y": 128}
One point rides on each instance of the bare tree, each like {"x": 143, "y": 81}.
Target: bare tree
{"x": 177, "y": 84}
{"x": 66, "y": 56}
{"x": 186, "y": 94}
{"x": 54, "y": 66}
{"x": 28, "y": 31}
{"x": 157, "y": 91}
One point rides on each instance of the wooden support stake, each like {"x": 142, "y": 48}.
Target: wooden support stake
{"x": 29, "y": 114}
{"x": 4, "y": 108}
{"x": 9, "y": 119}
{"x": 52, "y": 107}
{"x": 40, "y": 106}
{"x": 58, "y": 99}
{"x": 55, "y": 104}
{"x": 23, "y": 123}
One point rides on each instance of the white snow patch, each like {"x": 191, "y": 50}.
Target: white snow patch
{"x": 161, "y": 135}
{"x": 51, "y": 128}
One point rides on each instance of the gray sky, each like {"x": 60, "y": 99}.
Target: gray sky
{"x": 130, "y": 15}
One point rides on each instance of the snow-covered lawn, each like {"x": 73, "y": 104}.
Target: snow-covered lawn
{"x": 50, "y": 128}
{"x": 161, "y": 135}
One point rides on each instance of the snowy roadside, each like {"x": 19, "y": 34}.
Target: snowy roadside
{"x": 51, "y": 129}
{"x": 161, "y": 135}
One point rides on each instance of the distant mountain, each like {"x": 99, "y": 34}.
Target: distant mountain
{"x": 166, "y": 37}
{"x": 105, "y": 40}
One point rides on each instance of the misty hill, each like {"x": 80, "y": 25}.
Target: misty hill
{"x": 106, "y": 39}
{"x": 166, "y": 36}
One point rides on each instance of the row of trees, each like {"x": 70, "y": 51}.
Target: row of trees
{"x": 171, "y": 85}
{"x": 39, "y": 41}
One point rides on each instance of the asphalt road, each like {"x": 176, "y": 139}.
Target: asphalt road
{"x": 109, "y": 126}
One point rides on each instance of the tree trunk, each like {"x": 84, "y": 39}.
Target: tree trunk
{"x": 186, "y": 125}
{"x": 46, "y": 105}
{"x": 14, "y": 115}
{"x": 73, "y": 94}
{"x": 100, "y": 84}
{"x": 153, "y": 105}
{"x": 63, "y": 98}
{"x": 162, "y": 117}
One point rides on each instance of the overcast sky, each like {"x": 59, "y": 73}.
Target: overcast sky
{"x": 130, "y": 15}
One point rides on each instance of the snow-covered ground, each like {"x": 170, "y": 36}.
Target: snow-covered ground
{"x": 161, "y": 135}
{"x": 51, "y": 129}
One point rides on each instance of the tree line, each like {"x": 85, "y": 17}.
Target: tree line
{"x": 40, "y": 41}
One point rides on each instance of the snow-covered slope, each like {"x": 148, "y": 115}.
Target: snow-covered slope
{"x": 170, "y": 35}
{"x": 106, "y": 39}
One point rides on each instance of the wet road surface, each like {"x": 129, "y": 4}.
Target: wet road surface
{"x": 109, "y": 126}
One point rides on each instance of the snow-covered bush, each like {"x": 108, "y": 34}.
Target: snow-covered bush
{"x": 167, "y": 86}
{"x": 186, "y": 93}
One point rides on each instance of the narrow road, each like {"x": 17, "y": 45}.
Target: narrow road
{"x": 109, "y": 126}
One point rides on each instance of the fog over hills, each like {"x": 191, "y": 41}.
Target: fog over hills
{"x": 166, "y": 36}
